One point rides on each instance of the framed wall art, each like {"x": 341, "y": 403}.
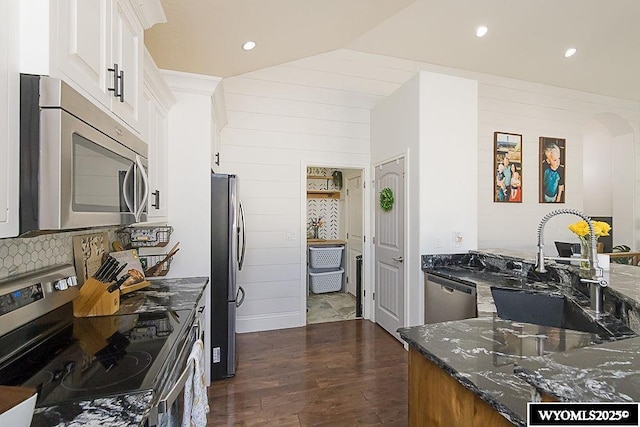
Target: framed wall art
{"x": 552, "y": 170}
{"x": 507, "y": 167}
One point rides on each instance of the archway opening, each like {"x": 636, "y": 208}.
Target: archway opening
{"x": 609, "y": 175}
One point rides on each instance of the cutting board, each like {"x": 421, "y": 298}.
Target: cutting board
{"x": 131, "y": 258}
{"x": 128, "y": 289}
{"x": 88, "y": 252}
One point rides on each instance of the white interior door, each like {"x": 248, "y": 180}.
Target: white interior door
{"x": 354, "y": 227}
{"x": 389, "y": 244}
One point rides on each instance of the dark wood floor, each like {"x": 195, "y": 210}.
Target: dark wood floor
{"x": 335, "y": 374}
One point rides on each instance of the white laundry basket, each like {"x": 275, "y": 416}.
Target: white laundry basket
{"x": 325, "y": 257}
{"x": 325, "y": 281}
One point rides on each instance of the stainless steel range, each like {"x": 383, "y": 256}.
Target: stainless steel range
{"x": 71, "y": 359}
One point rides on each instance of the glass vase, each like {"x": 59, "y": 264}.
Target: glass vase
{"x": 585, "y": 251}
{"x": 316, "y": 234}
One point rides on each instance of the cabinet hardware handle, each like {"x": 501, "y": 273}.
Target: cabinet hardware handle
{"x": 115, "y": 72}
{"x": 121, "y": 77}
{"x": 217, "y": 162}
{"x": 156, "y": 203}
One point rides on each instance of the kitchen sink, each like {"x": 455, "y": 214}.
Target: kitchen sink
{"x": 545, "y": 309}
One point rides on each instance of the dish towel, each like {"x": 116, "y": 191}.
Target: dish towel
{"x": 196, "y": 404}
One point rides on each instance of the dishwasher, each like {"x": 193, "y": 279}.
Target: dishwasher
{"x": 446, "y": 299}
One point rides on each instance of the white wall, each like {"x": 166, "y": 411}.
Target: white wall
{"x": 395, "y": 132}
{"x": 623, "y": 171}
{"x": 448, "y": 164}
{"x": 536, "y": 110}
{"x": 597, "y": 169}
{"x": 448, "y": 170}
{"x": 281, "y": 120}
{"x": 191, "y": 132}
{"x": 189, "y": 182}
{"x": 316, "y": 111}
{"x": 432, "y": 120}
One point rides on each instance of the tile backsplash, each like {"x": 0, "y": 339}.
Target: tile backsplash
{"x": 23, "y": 255}
{"x": 327, "y": 209}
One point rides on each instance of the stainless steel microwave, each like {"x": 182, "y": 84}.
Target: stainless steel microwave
{"x": 79, "y": 168}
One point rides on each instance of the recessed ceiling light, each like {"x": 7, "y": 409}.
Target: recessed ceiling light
{"x": 248, "y": 45}
{"x": 570, "y": 52}
{"x": 481, "y": 31}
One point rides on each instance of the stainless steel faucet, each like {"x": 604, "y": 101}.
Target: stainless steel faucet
{"x": 596, "y": 281}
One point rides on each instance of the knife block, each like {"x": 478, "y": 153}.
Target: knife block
{"x": 94, "y": 300}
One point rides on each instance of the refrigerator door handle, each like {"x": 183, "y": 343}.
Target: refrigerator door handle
{"x": 244, "y": 239}
{"x": 239, "y": 301}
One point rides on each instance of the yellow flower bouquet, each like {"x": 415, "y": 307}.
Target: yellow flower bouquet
{"x": 581, "y": 229}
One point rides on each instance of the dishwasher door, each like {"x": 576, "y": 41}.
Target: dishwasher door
{"x": 447, "y": 299}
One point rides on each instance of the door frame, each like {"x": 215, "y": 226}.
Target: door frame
{"x": 367, "y": 301}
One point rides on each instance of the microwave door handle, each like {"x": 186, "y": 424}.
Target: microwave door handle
{"x": 127, "y": 196}
{"x": 244, "y": 238}
{"x": 145, "y": 180}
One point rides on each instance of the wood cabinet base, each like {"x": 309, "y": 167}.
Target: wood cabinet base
{"x": 437, "y": 399}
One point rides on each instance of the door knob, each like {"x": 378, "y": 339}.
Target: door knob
{"x": 399, "y": 259}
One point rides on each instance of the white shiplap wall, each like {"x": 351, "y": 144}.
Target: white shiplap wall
{"x": 281, "y": 120}
{"x": 316, "y": 111}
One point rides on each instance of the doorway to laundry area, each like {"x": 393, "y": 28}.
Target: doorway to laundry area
{"x": 334, "y": 219}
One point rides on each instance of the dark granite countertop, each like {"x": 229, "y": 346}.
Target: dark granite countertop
{"x": 608, "y": 372}
{"x": 163, "y": 294}
{"x": 118, "y": 411}
{"x": 482, "y": 353}
{"x": 506, "y": 362}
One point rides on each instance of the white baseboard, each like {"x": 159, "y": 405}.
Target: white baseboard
{"x": 268, "y": 322}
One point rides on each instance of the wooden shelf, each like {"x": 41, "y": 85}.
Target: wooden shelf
{"x": 323, "y": 194}
{"x": 319, "y": 177}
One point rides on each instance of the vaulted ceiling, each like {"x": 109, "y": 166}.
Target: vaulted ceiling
{"x": 526, "y": 38}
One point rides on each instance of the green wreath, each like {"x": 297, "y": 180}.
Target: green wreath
{"x": 386, "y": 199}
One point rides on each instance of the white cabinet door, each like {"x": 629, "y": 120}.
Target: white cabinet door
{"x": 9, "y": 118}
{"x": 154, "y": 119}
{"x": 84, "y": 46}
{"x": 154, "y": 124}
{"x": 158, "y": 166}
{"x": 127, "y": 52}
{"x": 99, "y": 48}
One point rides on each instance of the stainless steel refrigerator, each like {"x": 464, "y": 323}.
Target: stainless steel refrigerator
{"x": 228, "y": 243}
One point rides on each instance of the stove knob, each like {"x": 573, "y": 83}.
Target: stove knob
{"x": 72, "y": 281}
{"x": 61, "y": 285}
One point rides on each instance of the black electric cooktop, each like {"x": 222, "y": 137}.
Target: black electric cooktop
{"x": 70, "y": 359}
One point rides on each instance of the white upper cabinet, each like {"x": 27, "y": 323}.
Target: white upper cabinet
{"x": 100, "y": 49}
{"x": 127, "y": 56}
{"x": 9, "y": 118}
{"x": 157, "y": 100}
{"x": 95, "y": 45}
{"x": 82, "y": 46}
{"x": 219, "y": 121}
